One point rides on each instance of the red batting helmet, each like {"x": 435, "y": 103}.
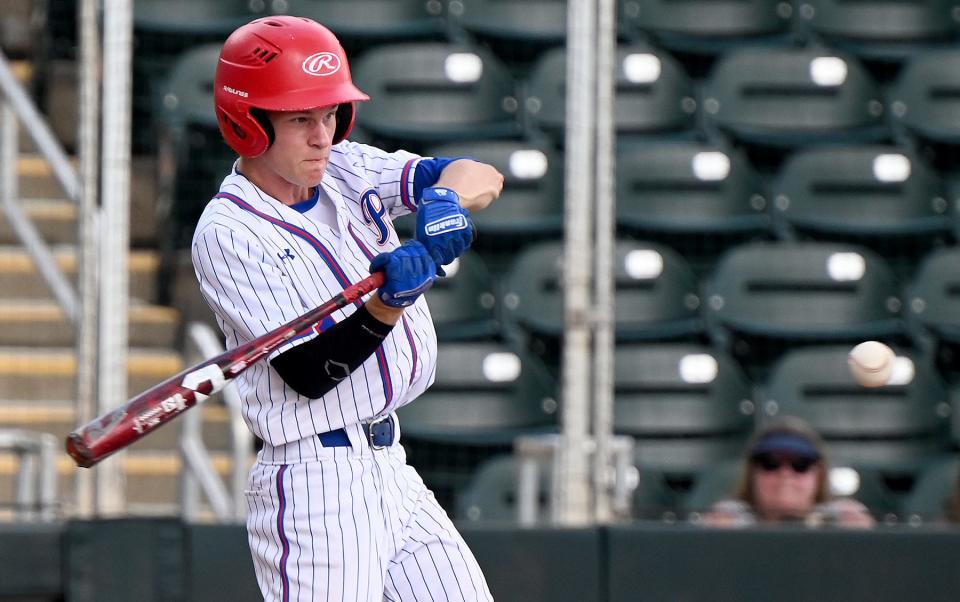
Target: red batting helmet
{"x": 280, "y": 63}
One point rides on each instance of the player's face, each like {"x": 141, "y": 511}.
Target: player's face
{"x": 301, "y": 146}
{"x": 784, "y": 486}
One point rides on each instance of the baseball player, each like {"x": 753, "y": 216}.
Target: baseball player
{"x": 335, "y": 512}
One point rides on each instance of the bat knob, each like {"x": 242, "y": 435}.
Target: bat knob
{"x": 79, "y": 451}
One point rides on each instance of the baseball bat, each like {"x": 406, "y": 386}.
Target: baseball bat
{"x": 160, "y": 404}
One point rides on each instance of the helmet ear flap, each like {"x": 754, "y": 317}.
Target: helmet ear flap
{"x": 248, "y": 136}
{"x": 345, "y": 116}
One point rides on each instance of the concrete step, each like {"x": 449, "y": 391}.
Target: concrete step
{"x": 152, "y": 478}
{"x": 55, "y": 219}
{"x": 37, "y": 183}
{"x": 33, "y": 373}
{"x": 19, "y": 278}
{"x": 41, "y": 322}
{"x": 59, "y": 419}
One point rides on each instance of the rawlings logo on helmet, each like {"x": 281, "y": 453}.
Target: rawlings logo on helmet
{"x": 322, "y": 64}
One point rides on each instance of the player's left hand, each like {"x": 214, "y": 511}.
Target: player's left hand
{"x": 408, "y": 272}
{"x": 443, "y": 226}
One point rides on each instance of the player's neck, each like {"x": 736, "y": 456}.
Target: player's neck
{"x": 273, "y": 184}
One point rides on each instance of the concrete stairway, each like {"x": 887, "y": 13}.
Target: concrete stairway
{"x": 37, "y": 359}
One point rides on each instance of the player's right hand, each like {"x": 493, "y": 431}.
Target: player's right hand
{"x": 408, "y": 272}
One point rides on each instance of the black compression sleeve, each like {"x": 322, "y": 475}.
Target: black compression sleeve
{"x": 315, "y": 367}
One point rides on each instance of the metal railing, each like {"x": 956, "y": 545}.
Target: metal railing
{"x": 199, "y": 473}
{"x": 36, "y": 490}
{"x": 15, "y": 104}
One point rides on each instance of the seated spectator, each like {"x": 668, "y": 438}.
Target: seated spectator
{"x": 785, "y": 479}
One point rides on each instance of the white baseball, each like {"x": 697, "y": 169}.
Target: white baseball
{"x": 871, "y": 363}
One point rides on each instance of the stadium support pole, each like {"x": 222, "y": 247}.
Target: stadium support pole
{"x": 571, "y": 499}
{"x": 87, "y": 237}
{"x": 114, "y": 235}
{"x": 604, "y": 238}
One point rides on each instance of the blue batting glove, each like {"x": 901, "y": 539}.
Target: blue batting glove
{"x": 408, "y": 272}
{"x": 443, "y": 226}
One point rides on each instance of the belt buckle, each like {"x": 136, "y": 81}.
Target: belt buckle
{"x": 370, "y": 434}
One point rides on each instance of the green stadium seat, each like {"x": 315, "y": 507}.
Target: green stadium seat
{"x": 886, "y": 30}
{"x": 924, "y": 99}
{"x": 861, "y": 190}
{"x": 162, "y": 31}
{"x": 656, "y": 294}
{"x": 895, "y": 426}
{"x": 653, "y": 93}
{"x": 463, "y": 304}
{"x": 485, "y": 393}
{"x": 932, "y": 301}
{"x": 880, "y": 196}
{"x": 928, "y": 500}
{"x": 491, "y": 494}
{"x": 762, "y": 296}
{"x": 793, "y": 97}
{"x": 669, "y": 390}
{"x": 362, "y": 24}
{"x": 531, "y": 204}
{"x": 712, "y": 26}
{"x": 193, "y": 159}
{"x": 518, "y": 30}
{"x": 713, "y": 482}
{"x": 684, "y": 404}
{"x": 435, "y": 92}
{"x": 696, "y": 197}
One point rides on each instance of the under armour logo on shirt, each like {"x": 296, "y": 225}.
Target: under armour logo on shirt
{"x": 286, "y": 255}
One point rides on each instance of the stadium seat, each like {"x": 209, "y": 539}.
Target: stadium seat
{"x": 435, "y": 92}
{"x": 712, "y": 26}
{"x": 861, "y": 190}
{"x": 361, "y": 24}
{"x": 684, "y": 404}
{"x": 794, "y": 97}
{"x": 653, "y": 93}
{"x": 162, "y": 31}
{"x": 897, "y": 425}
{"x": 927, "y": 502}
{"x": 696, "y": 197}
{"x": 485, "y": 393}
{"x": 491, "y": 494}
{"x": 656, "y": 294}
{"x": 531, "y": 205}
{"x": 713, "y": 482}
{"x": 932, "y": 300}
{"x": 463, "y": 304}
{"x": 880, "y": 196}
{"x": 762, "y": 296}
{"x": 881, "y": 29}
{"x": 192, "y": 157}
{"x": 518, "y": 30}
{"x": 923, "y": 100}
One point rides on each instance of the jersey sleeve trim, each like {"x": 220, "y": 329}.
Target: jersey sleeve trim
{"x": 407, "y": 177}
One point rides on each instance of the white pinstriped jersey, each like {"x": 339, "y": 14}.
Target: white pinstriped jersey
{"x": 261, "y": 263}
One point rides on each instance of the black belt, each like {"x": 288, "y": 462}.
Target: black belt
{"x": 379, "y": 434}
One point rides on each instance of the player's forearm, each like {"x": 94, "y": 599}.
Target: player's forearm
{"x": 314, "y": 368}
{"x": 383, "y": 312}
{"x": 477, "y": 184}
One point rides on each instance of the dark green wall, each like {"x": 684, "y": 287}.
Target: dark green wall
{"x": 163, "y": 559}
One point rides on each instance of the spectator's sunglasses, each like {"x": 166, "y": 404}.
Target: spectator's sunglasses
{"x": 770, "y": 463}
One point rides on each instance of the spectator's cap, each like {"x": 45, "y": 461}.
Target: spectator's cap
{"x": 785, "y": 442}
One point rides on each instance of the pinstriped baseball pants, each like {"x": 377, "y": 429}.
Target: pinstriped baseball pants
{"x": 355, "y": 525}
